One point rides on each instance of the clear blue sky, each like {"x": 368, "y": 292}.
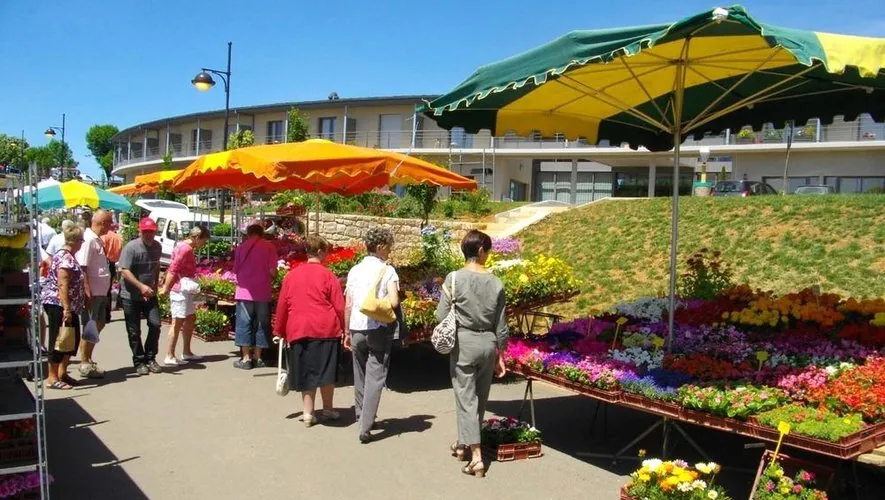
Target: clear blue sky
{"x": 126, "y": 62}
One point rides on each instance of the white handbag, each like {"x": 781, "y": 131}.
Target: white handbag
{"x": 188, "y": 286}
{"x": 445, "y": 334}
{"x": 282, "y": 375}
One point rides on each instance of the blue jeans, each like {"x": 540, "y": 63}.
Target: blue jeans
{"x": 252, "y": 324}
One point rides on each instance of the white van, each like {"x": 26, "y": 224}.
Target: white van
{"x": 174, "y": 222}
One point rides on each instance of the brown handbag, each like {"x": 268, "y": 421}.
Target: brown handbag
{"x": 66, "y": 340}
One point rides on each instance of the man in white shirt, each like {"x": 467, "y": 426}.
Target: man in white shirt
{"x": 370, "y": 340}
{"x": 46, "y": 232}
{"x": 58, "y": 241}
{"x": 96, "y": 282}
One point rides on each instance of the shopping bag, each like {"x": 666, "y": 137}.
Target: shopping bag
{"x": 188, "y": 286}
{"x": 282, "y": 375}
{"x": 90, "y": 332}
{"x": 66, "y": 340}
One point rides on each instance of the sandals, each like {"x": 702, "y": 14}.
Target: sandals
{"x": 459, "y": 451}
{"x": 58, "y": 384}
{"x": 477, "y": 469}
{"x": 67, "y": 379}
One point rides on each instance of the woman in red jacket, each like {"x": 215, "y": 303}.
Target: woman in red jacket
{"x": 310, "y": 317}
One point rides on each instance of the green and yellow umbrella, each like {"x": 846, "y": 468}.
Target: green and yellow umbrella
{"x": 649, "y": 85}
{"x": 653, "y": 86}
{"x": 76, "y": 194}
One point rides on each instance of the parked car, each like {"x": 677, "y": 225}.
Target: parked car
{"x": 814, "y": 190}
{"x": 742, "y": 188}
{"x": 174, "y": 222}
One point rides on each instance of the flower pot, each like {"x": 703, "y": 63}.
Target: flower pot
{"x": 624, "y": 495}
{"x": 791, "y": 467}
{"x": 213, "y": 338}
{"x": 18, "y": 450}
{"x": 703, "y": 191}
{"x": 508, "y": 452}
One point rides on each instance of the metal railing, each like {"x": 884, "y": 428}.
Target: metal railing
{"x": 856, "y": 131}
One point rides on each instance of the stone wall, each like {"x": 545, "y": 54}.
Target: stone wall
{"x": 346, "y": 230}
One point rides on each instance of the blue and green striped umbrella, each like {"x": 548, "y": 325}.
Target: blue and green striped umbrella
{"x": 72, "y": 194}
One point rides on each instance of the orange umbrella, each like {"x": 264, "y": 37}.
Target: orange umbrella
{"x": 314, "y": 165}
{"x": 154, "y": 181}
{"x": 124, "y": 190}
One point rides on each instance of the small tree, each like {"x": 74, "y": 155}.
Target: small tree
{"x": 298, "y": 129}
{"x": 425, "y": 194}
{"x": 98, "y": 140}
{"x": 723, "y": 174}
{"x": 241, "y": 139}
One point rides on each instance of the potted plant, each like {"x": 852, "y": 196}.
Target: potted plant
{"x": 746, "y": 135}
{"x": 674, "y": 479}
{"x": 774, "y": 481}
{"x": 511, "y": 439}
{"x": 211, "y": 325}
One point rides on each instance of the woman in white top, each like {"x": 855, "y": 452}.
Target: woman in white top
{"x": 370, "y": 340}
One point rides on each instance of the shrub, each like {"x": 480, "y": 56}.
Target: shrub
{"x": 425, "y": 195}
{"x": 216, "y": 249}
{"x": 221, "y": 229}
{"x": 706, "y": 276}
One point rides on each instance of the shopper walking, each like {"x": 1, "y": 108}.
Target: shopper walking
{"x": 255, "y": 265}
{"x": 183, "y": 266}
{"x": 140, "y": 268}
{"x": 310, "y": 320}
{"x": 478, "y": 299}
{"x": 113, "y": 245}
{"x": 63, "y": 301}
{"x": 369, "y": 339}
{"x": 97, "y": 283}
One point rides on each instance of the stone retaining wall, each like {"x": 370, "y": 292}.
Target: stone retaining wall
{"x": 346, "y": 230}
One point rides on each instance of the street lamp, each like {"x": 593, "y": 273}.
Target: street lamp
{"x": 704, "y": 153}
{"x": 203, "y": 82}
{"x": 50, "y": 134}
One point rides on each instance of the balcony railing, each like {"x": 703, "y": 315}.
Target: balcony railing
{"x": 442, "y": 139}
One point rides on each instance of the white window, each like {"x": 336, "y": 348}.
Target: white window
{"x": 274, "y": 132}
{"x": 327, "y": 128}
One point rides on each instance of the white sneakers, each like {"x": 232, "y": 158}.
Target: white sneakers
{"x": 183, "y": 360}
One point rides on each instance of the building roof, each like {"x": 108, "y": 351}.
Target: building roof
{"x": 219, "y": 113}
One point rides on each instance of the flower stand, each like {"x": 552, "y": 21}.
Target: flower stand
{"x": 791, "y": 466}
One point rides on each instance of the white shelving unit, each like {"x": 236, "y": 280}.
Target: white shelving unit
{"x": 17, "y": 402}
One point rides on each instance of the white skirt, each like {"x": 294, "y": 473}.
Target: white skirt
{"x": 182, "y": 305}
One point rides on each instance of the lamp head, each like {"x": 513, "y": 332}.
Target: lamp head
{"x": 704, "y": 153}
{"x": 203, "y": 81}
{"x": 50, "y": 134}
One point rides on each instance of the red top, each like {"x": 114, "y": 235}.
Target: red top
{"x": 311, "y": 304}
{"x": 183, "y": 265}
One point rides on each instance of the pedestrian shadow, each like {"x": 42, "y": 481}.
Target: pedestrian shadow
{"x": 80, "y": 463}
{"x": 391, "y": 427}
{"x": 418, "y": 368}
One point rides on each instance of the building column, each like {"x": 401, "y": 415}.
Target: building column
{"x": 197, "y": 145}
{"x": 285, "y": 128}
{"x": 168, "y": 133}
{"x": 144, "y": 146}
{"x": 129, "y": 148}
{"x": 652, "y": 173}
{"x": 573, "y": 198}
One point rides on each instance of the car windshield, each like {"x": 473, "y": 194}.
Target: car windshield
{"x": 729, "y": 187}
{"x": 187, "y": 225}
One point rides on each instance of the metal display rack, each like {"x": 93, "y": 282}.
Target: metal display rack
{"x": 19, "y": 363}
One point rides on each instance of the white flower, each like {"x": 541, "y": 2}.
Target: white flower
{"x": 712, "y": 495}
{"x": 652, "y": 464}
{"x": 505, "y": 264}
{"x": 684, "y": 487}
{"x": 831, "y": 370}
{"x": 699, "y": 484}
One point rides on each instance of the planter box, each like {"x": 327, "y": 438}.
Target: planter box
{"x": 823, "y": 475}
{"x": 624, "y": 495}
{"x": 515, "y": 451}
{"x": 714, "y": 421}
{"x": 642, "y": 403}
{"x": 587, "y": 390}
{"x": 863, "y": 441}
{"x": 18, "y": 450}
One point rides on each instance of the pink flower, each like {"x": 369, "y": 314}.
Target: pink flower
{"x": 769, "y": 486}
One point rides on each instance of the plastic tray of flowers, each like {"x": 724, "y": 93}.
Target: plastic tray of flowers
{"x": 807, "y": 473}
{"x": 18, "y": 449}
{"x": 864, "y": 441}
{"x": 587, "y": 390}
{"x": 649, "y": 405}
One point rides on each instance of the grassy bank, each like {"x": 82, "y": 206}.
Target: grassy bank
{"x": 620, "y": 249}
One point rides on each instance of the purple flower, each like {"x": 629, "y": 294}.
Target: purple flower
{"x": 505, "y": 246}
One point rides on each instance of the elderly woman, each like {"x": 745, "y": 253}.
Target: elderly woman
{"x": 369, "y": 339}
{"x": 310, "y": 317}
{"x": 478, "y": 299}
{"x": 183, "y": 265}
{"x": 63, "y": 300}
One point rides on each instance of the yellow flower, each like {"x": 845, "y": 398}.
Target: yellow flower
{"x": 641, "y": 453}
{"x": 523, "y": 279}
{"x": 779, "y": 472}
{"x": 622, "y": 320}
{"x": 644, "y": 478}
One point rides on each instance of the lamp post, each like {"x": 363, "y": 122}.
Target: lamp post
{"x": 704, "y": 154}
{"x": 203, "y": 82}
{"x": 50, "y": 134}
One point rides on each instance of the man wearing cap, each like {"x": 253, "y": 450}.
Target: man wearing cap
{"x": 140, "y": 267}
{"x": 97, "y": 281}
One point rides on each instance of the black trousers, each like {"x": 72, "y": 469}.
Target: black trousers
{"x": 134, "y": 311}
{"x": 112, "y": 267}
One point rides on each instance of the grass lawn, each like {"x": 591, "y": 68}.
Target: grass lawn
{"x": 620, "y": 249}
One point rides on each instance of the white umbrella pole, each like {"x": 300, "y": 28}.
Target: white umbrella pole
{"x": 679, "y": 96}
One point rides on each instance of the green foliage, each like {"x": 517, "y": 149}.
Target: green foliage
{"x": 436, "y": 252}
{"x": 221, "y": 229}
{"x": 51, "y": 156}
{"x": 425, "y": 195}
{"x": 241, "y": 139}
{"x": 497, "y": 431}
{"x": 98, "y": 140}
{"x": 13, "y": 152}
{"x": 214, "y": 285}
{"x": 298, "y": 128}
{"x": 706, "y": 276}
{"x": 815, "y": 422}
{"x": 165, "y": 307}
{"x": 216, "y": 248}
{"x": 211, "y": 323}
{"x": 448, "y": 208}
{"x": 723, "y": 175}
{"x": 376, "y": 204}
{"x": 478, "y": 201}
{"x": 167, "y": 159}
{"x": 13, "y": 259}
{"x": 283, "y": 198}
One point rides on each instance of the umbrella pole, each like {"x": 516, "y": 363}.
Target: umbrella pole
{"x": 679, "y": 96}
{"x": 316, "y": 222}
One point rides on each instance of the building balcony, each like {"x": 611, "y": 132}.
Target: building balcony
{"x": 134, "y": 159}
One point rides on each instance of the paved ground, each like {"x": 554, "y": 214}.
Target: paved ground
{"x": 210, "y": 431}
